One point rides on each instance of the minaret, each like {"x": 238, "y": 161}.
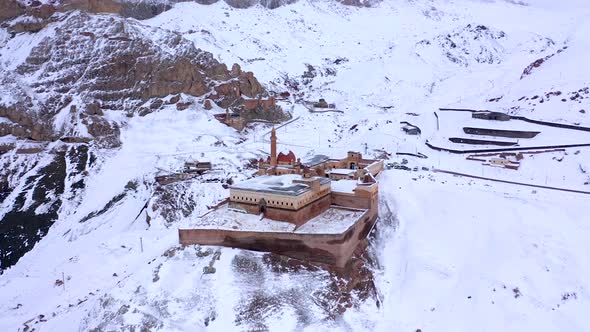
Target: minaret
{"x": 273, "y": 148}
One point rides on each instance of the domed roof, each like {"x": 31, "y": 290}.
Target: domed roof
{"x": 286, "y": 158}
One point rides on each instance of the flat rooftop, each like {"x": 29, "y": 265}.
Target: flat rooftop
{"x": 315, "y": 160}
{"x": 344, "y": 186}
{"x": 341, "y": 171}
{"x": 335, "y": 220}
{"x": 277, "y": 184}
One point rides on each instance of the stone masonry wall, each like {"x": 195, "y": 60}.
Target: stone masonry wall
{"x": 330, "y": 249}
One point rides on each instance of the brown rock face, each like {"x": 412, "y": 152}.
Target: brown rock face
{"x": 118, "y": 61}
{"x": 139, "y": 9}
{"x": 105, "y": 132}
{"x": 265, "y": 104}
{"x": 228, "y": 94}
{"x": 111, "y": 63}
{"x": 93, "y": 6}
{"x": 236, "y": 70}
{"x": 23, "y": 122}
{"x": 94, "y": 109}
{"x": 93, "y": 64}
{"x": 43, "y": 11}
{"x": 28, "y": 26}
{"x": 10, "y": 9}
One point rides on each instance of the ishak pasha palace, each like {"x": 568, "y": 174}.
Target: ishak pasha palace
{"x": 318, "y": 211}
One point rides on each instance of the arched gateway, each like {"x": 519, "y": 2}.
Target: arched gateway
{"x": 262, "y": 206}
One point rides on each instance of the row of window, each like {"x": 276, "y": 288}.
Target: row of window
{"x": 281, "y": 203}
{"x": 253, "y": 200}
{"x": 250, "y": 199}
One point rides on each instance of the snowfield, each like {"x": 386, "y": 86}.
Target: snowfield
{"x": 448, "y": 253}
{"x": 468, "y": 256}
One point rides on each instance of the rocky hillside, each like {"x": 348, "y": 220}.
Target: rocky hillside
{"x": 139, "y": 9}
{"x": 97, "y": 105}
{"x": 77, "y": 77}
{"x": 83, "y": 65}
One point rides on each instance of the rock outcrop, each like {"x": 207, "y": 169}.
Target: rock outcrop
{"x": 139, "y": 9}
{"x": 10, "y": 9}
{"x": 91, "y": 64}
{"x": 468, "y": 45}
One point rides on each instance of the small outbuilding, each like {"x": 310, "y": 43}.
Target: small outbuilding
{"x": 322, "y": 103}
{"x": 411, "y": 130}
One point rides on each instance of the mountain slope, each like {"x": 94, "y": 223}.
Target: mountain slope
{"x": 449, "y": 253}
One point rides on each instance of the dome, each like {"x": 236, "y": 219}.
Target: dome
{"x": 286, "y": 158}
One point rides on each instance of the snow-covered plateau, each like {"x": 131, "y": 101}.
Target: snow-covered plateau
{"x": 89, "y": 240}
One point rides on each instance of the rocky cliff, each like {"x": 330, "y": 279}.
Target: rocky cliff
{"x": 86, "y": 65}
{"x": 68, "y": 86}
{"x": 139, "y": 9}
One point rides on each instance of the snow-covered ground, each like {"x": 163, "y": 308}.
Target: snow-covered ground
{"x": 468, "y": 256}
{"x": 455, "y": 255}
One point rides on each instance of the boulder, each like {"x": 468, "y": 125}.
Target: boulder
{"x": 207, "y": 104}
{"x": 94, "y": 108}
{"x": 5, "y": 129}
{"x": 236, "y": 70}
{"x": 209, "y": 270}
{"x": 145, "y": 111}
{"x": 183, "y": 106}
{"x": 105, "y": 132}
{"x": 157, "y": 103}
{"x": 174, "y": 99}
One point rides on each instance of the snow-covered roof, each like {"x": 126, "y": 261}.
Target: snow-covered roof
{"x": 344, "y": 186}
{"x": 341, "y": 171}
{"x": 335, "y": 220}
{"x": 229, "y": 219}
{"x": 277, "y": 184}
{"x": 315, "y": 160}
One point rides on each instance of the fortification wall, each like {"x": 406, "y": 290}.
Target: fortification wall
{"x": 375, "y": 167}
{"x": 351, "y": 200}
{"x": 331, "y": 249}
{"x": 364, "y": 197}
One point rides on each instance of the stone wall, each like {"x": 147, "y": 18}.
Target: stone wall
{"x": 303, "y": 215}
{"x": 364, "y": 197}
{"x": 298, "y": 217}
{"x": 350, "y": 200}
{"x": 374, "y": 167}
{"x": 279, "y": 201}
{"x": 331, "y": 249}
